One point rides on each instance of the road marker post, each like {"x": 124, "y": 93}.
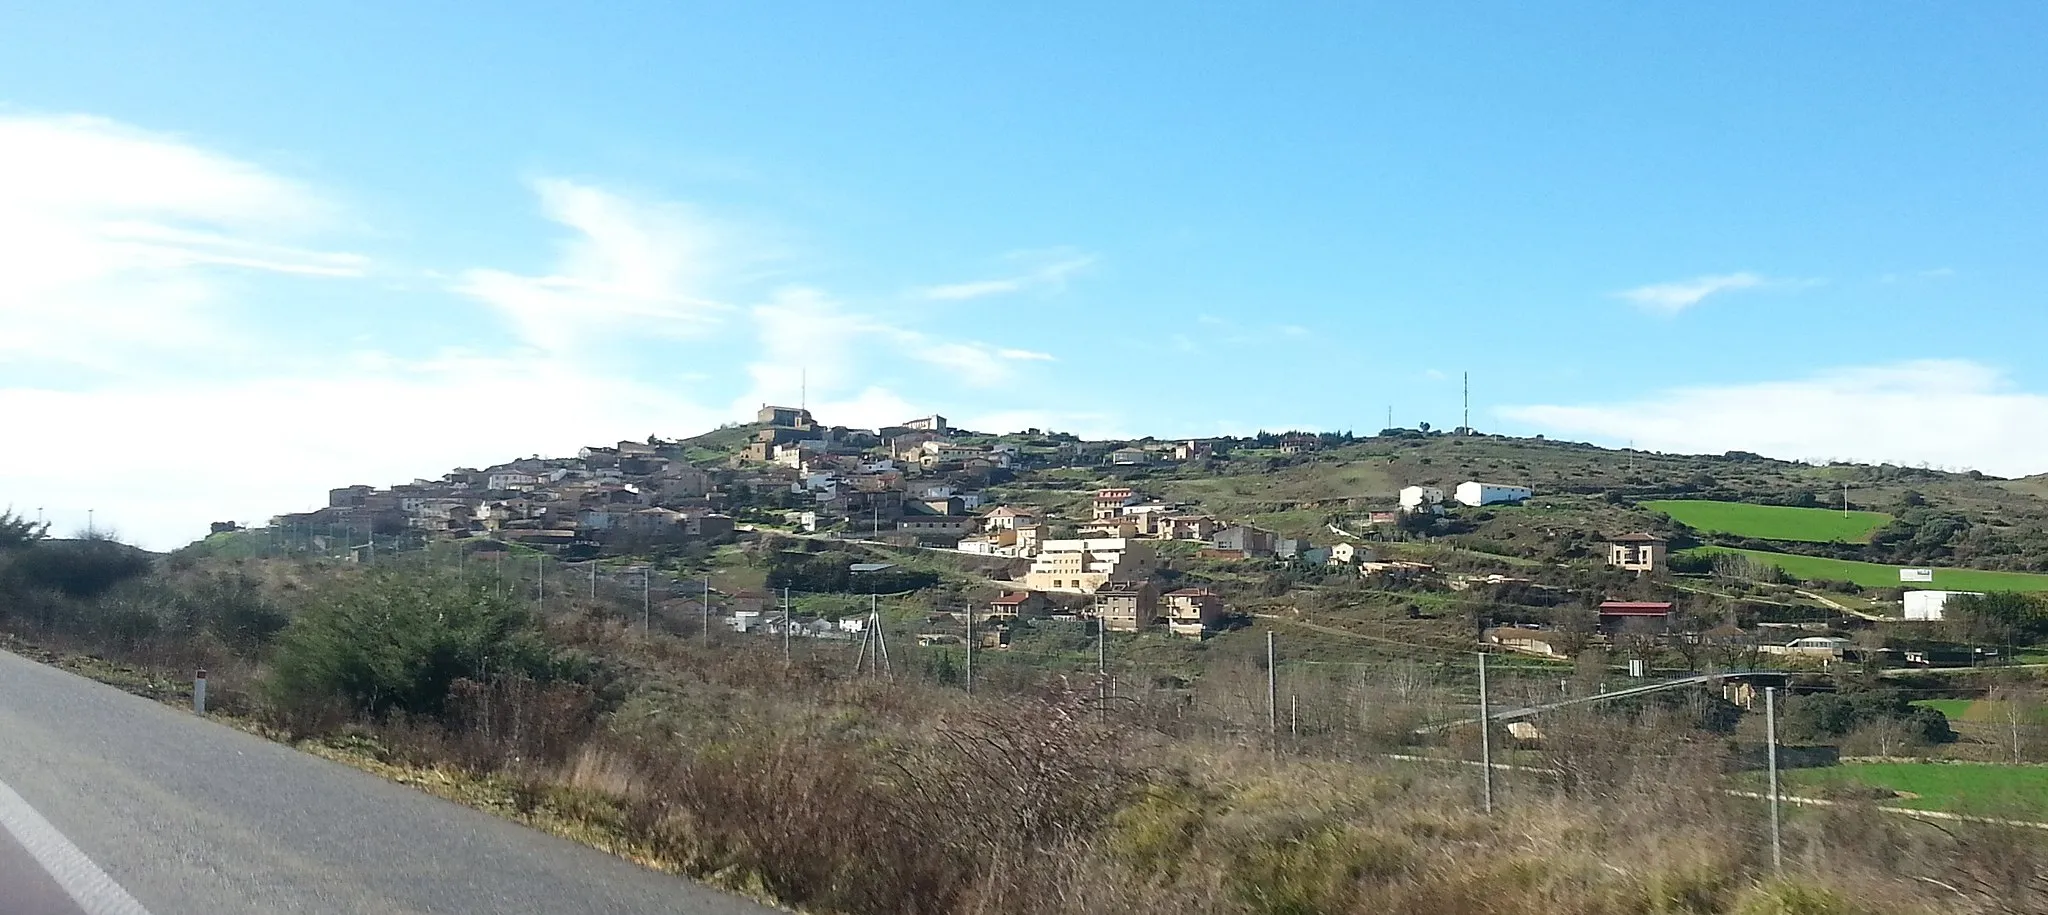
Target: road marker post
{"x": 199, "y": 693}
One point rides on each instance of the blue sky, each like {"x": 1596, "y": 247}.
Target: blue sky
{"x": 249, "y": 252}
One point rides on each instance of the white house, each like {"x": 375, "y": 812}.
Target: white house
{"x": 1345, "y": 554}
{"x": 1476, "y": 494}
{"x": 1928, "y": 605}
{"x": 510, "y": 479}
{"x": 1129, "y": 457}
{"x": 1413, "y": 498}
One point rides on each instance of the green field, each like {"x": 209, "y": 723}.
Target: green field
{"x": 1984, "y": 789}
{"x": 1772, "y": 522}
{"x": 1873, "y": 575}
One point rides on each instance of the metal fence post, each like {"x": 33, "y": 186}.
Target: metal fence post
{"x": 1485, "y": 737}
{"x": 1771, "y": 730}
{"x": 199, "y": 692}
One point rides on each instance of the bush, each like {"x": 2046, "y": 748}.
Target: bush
{"x": 395, "y": 642}
{"x": 84, "y": 569}
{"x": 1826, "y": 716}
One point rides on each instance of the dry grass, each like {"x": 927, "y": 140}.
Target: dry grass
{"x": 799, "y": 784}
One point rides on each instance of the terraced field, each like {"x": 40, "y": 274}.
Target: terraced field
{"x": 1873, "y": 575}
{"x": 1772, "y": 522}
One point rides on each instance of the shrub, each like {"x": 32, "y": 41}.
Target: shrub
{"x": 83, "y": 569}
{"x": 395, "y": 642}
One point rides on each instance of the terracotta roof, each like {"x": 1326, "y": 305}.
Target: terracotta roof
{"x": 1635, "y": 608}
{"x": 1012, "y": 599}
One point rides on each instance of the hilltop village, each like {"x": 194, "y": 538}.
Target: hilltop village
{"x": 921, "y": 484}
{"x": 1201, "y": 536}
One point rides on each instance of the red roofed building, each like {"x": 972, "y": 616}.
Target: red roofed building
{"x": 1615, "y": 614}
{"x": 1017, "y": 604}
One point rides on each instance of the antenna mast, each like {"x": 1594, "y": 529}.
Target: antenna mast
{"x": 1468, "y": 403}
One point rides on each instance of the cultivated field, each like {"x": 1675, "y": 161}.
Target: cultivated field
{"x": 1873, "y": 575}
{"x": 1989, "y": 789}
{"x": 1772, "y": 522}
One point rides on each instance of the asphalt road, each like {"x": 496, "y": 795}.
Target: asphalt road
{"x": 111, "y": 803}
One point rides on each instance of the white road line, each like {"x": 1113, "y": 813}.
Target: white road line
{"x": 94, "y": 891}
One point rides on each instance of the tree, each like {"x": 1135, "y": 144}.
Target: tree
{"x": 17, "y": 531}
{"x": 1573, "y": 631}
{"x": 1638, "y": 639}
{"x": 2019, "y": 715}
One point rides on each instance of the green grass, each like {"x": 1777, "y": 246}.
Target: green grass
{"x": 1873, "y": 575}
{"x": 1772, "y": 522}
{"x": 1983, "y": 789}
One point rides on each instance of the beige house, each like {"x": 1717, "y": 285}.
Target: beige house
{"x": 1187, "y": 527}
{"x": 1005, "y": 518}
{"x": 1084, "y": 566}
{"x": 1111, "y": 502}
{"x": 1017, "y": 604}
{"x": 1638, "y": 552}
{"x": 1192, "y": 611}
{"x": 1110, "y": 527}
{"x": 1127, "y": 606}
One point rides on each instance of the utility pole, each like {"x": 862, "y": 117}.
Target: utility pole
{"x": 1272, "y": 697}
{"x": 1485, "y": 736}
{"x": 788, "y": 624}
{"x": 541, "y": 563}
{"x": 1845, "y": 498}
{"x": 707, "y": 608}
{"x": 593, "y": 579}
{"x": 646, "y": 599}
{"x": 1101, "y": 668}
{"x": 1468, "y": 403}
{"x": 1771, "y": 729}
{"x": 970, "y": 651}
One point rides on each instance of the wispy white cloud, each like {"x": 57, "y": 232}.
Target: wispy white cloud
{"x": 114, "y": 239}
{"x": 632, "y": 264}
{"x": 117, "y": 248}
{"x": 812, "y": 340}
{"x": 1949, "y": 413}
{"x": 1047, "y": 270}
{"x": 1674, "y": 297}
{"x": 1937, "y": 273}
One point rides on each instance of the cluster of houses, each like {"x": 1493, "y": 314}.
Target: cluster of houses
{"x": 628, "y": 490}
{"x": 1114, "y": 560}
